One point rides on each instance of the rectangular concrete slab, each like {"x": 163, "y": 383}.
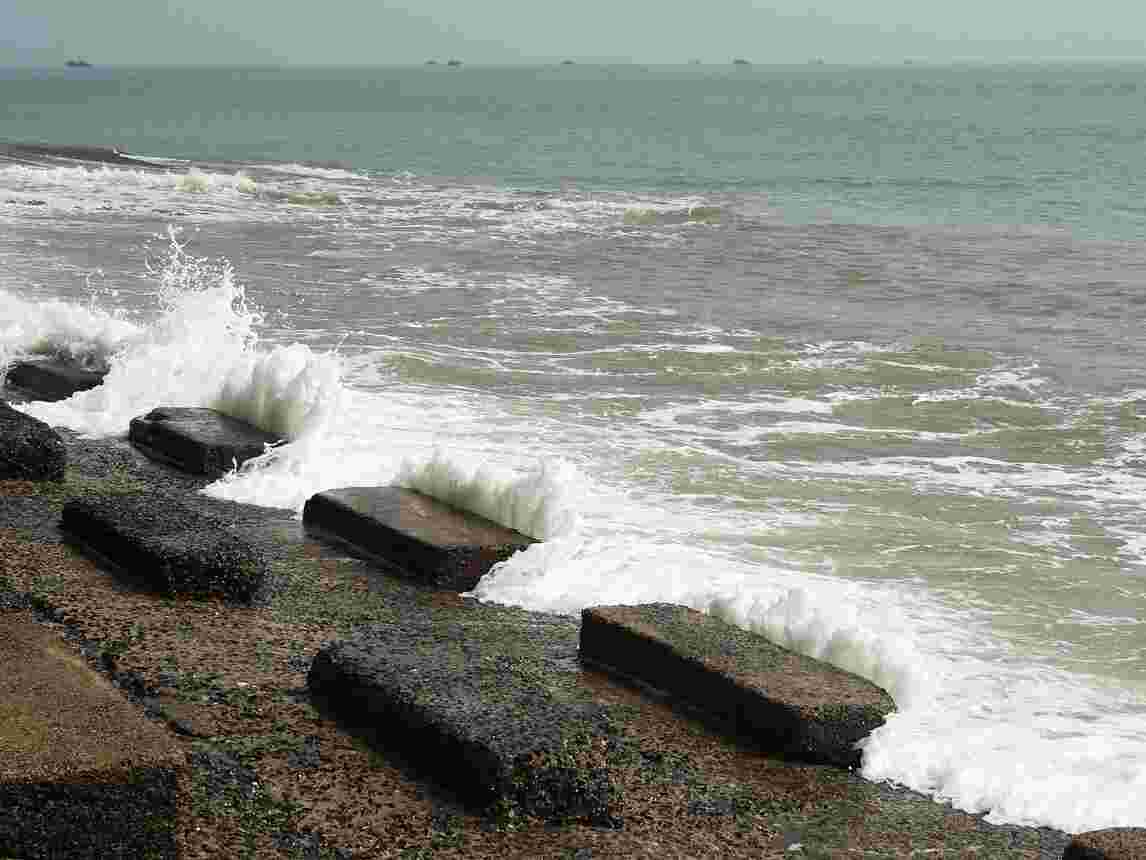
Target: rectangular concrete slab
{"x": 198, "y": 440}
{"x": 159, "y": 540}
{"x": 472, "y": 704}
{"x": 83, "y": 774}
{"x": 50, "y": 379}
{"x": 786, "y": 702}
{"x": 413, "y": 534}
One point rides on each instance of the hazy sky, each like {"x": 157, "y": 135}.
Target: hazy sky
{"x": 380, "y": 32}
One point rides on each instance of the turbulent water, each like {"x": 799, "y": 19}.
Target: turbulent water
{"x": 853, "y": 357}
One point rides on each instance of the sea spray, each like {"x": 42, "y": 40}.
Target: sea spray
{"x": 86, "y": 337}
{"x": 289, "y": 390}
{"x": 202, "y": 350}
{"x": 830, "y": 631}
{"x": 537, "y": 503}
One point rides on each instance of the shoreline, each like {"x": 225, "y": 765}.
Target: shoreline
{"x": 272, "y": 776}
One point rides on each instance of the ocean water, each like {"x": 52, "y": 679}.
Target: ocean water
{"x": 851, "y": 356}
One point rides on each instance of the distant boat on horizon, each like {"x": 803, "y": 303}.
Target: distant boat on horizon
{"x": 78, "y": 64}
{"x": 740, "y": 62}
{"x": 454, "y": 63}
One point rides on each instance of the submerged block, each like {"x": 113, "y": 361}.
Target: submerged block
{"x": 51, "y": 379}
{"x": 786, "y": 702}
{"x": 30, "y": 450}
{"x": 472, "y": 705}
{"x": 413, "y": 534}
{"x": 156, "y": 539}
{"x": 198, "y": 440}
{"x": 83, "y": 774}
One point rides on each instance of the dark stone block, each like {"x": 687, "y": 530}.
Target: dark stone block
{"x": 478, "y": 708}
{"x": 1115, "y": 843}
{"x": 30, "y": 450}
{"x": 83, "y": 774}
{"x": 97, "y": 821}
{"x": 786, "y": 702}
{"x": 197, "y": 440}
{"x": 156, "y": 539}
{"x": 51, "y": 379}
{"x": 413, "y": 534}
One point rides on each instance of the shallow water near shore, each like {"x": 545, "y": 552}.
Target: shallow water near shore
{"x": 893, "y": 428}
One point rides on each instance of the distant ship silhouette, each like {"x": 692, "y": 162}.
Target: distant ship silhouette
{"x": 78, "y": 64}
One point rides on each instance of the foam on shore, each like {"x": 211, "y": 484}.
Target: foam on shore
{"x": 201, "y": 350}
{"x": 535, "y": 504}
{"x": 86, "y": 337}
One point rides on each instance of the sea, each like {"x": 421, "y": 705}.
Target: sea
{"x": 852, "y": 357}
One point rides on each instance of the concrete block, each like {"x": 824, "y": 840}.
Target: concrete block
{"x": 412, "y": 534}
{"x": 472, "y": 706}
{"x": 30, "y": 450}
{"x": 198, "y": 440}
{"x": 786, "y": 702}
{"x": 83, "y": 774}
{"x": 156, "y": 539}
{"x": 50, "y": 379}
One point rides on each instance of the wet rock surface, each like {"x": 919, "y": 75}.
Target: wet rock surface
{"x": 412, "y": 535}
{"x": 29, "y": 449}
{"x": 198, "y": 440}
{"x": 51, "y": 379}
{"x": 789, "y": 703}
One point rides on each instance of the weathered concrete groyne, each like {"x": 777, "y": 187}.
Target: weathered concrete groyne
{"x": 154, "y": 538}
{"x": 276, "y": 766}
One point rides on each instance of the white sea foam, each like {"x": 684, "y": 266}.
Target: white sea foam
{"x": 202, "y": 351}
{"x": 537, "y": 503}
{"x": 94, "y": 179}
{"x": 86, "y": 336}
